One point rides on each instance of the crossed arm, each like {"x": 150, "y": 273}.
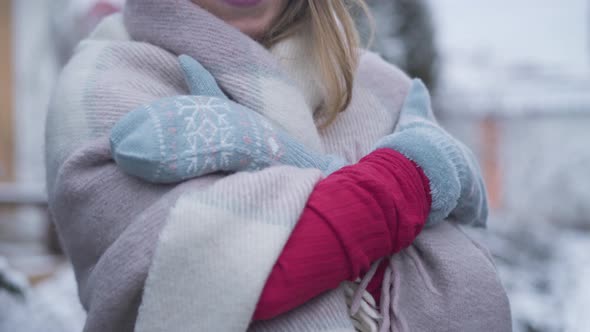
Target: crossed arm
{"x": 355, "y": 216}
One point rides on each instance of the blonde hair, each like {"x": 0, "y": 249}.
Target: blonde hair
{"x": 335, "y": 43}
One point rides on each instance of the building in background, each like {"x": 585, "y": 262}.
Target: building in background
{"x": 36, "y": 37}
{"x": 515, "y": 86}
{"x": 518, "y": 91}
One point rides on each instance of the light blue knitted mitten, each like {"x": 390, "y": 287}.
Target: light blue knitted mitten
{"x": 182, "y": 137}
{"x": 456, "y": 183}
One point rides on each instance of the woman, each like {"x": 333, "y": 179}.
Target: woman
{"x": 213, "y": 247}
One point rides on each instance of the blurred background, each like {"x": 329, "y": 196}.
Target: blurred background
{"x": 511, "y": 78}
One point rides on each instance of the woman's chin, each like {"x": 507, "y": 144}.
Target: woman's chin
{"x": 252, "y": 28}
{"x": 245, "y": 4}
{"x": 252, "y": 17}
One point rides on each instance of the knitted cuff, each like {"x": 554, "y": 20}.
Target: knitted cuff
{"x": 438, "y": 157}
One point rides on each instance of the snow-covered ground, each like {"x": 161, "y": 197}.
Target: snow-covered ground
{"x": 544, "y": 269}
{"x": 541, "y": 235}
{"x": 51, "y": 306}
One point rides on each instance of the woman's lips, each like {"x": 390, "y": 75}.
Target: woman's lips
{"x": 242, "y": 3}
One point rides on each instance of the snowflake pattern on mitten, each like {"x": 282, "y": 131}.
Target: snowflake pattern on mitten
{"x": 182, "y": 137}
{"x": 177, "y": 138}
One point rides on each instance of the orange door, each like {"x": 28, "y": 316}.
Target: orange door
{"x": 491, "y": 166}
{"x": 6, "y": 118}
